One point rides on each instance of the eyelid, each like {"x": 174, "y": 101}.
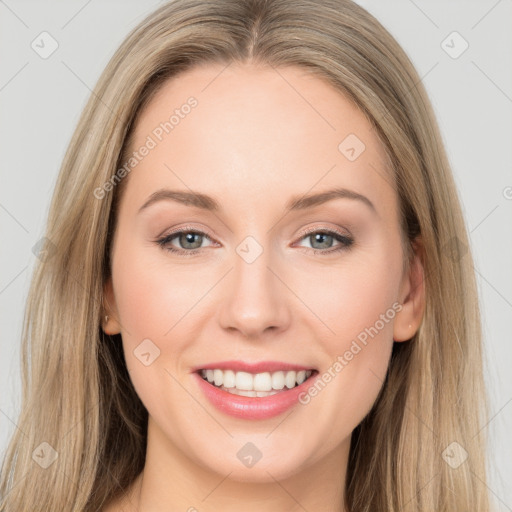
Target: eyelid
{"x": 316, "y": 229}
{"x": 187, "y": 227}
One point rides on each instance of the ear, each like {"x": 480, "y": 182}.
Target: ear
{"x": 412, "y": 296}
{"x": 112, "y": 325}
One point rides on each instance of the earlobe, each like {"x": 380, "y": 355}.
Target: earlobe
{"x": 109, "y": 322}
{"x": 412, "y": 297}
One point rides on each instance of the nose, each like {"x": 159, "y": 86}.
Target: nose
{"x": 255, "y": 300}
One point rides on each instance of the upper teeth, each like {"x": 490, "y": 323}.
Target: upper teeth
{"x": 255, "y": 382}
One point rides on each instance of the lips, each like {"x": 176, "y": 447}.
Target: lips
{"x": 253, "y": 407}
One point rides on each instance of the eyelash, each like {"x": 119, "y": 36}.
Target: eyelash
{"x": 345, "y": 241}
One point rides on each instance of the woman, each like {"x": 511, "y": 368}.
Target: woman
{"x": 318, "y": 345}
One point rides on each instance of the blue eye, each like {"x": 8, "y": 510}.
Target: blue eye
{"x": 325, "y": 238}
{"x": 191, "y": 240}
{"x": 187, "y": 238}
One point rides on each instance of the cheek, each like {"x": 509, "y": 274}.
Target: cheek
{"x": 150, "y": 301}
{"x": 150, "y": 295}
{"x": 351, "y": 296}
{"x": 358, "y": 304}
{"x": 142, "y": 300}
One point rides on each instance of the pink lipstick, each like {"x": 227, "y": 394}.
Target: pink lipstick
{"x": 273, "y": 396}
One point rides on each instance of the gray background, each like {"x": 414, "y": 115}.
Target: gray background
{"x": 472, "y": 95}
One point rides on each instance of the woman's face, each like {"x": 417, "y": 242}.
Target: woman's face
{"x": 266, "y": 270}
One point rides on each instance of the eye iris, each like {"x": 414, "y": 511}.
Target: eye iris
{"x": 321, "y": 235}
{"x": 188, "y": 237}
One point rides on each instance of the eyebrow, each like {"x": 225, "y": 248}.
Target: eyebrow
{"x": 205, "y": 202}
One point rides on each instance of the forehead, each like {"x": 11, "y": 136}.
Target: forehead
{"x": 255, "y": 131}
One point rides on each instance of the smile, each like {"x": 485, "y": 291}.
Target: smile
{"x": 253, "y": 396}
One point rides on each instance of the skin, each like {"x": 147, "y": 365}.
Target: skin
{"x": 256, "y": 138}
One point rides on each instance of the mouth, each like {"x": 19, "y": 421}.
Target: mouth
{"x": 255, "y": 384}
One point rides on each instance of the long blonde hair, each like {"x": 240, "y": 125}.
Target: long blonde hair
{"x": 77, "y": 394}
